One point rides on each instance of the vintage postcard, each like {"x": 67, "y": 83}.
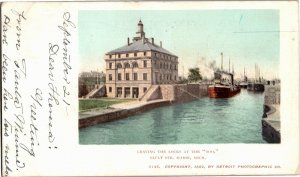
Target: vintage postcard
{"x": 150, "y": 88}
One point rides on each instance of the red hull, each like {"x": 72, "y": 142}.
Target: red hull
{"x": 222, "y": 91}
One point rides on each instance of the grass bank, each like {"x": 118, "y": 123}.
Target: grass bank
{"x": 99, "y": 103}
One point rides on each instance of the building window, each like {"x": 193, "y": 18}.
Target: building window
{"x": 127, "y": 65}
{"x": 127, "y": 76}
{"x": 135, "y": 76}
{"x": 119, "y": 55}
{"x": 145, "y": 89}
{"x": 119, "y": 65}
{"x": 160, "y": 65}
{"x": 175, "y": 67}
{"x": 110, "y": 65}
{"x": 109, "y": 56}
{"x": 110, "y": 77}
{"x": 119, "y": 76}
{"x": 135, "y": 54}
{"x": 144, "y": 76}
{"x": 145, "y": 63}
{"x": 145, "y": 53}
{"x": 175, "y": 78}
{"x": 135, "y": 65}
{"x": 109, "y": 89}
{"x": 127, "y": 55}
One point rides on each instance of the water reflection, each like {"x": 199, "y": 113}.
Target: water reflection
{"x": 223, "y": 102}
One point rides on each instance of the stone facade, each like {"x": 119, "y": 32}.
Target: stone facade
{"x": 133, "y": 68}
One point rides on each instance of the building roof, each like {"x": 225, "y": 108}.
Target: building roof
{"x": 140, "y": 46}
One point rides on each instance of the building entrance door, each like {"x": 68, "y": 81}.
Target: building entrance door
{"x": 135, "y": 92}
{"x": 127, "y": 92}
{"x": 119, "y": 91}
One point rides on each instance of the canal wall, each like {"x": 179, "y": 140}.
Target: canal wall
{"x": 157, "y": 96}
{"x": 116, "y": 114}
{"x": 183, "y": 92}
{"x": 271, "y": 116}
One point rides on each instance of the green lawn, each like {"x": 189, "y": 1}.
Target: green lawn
{"x": 99, "y": 103}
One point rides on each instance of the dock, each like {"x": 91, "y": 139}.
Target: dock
{"x": 271, "y": 117}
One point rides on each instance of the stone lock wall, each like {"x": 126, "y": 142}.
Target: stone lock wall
{"x": 167, "y": 92}
{"x": 272, "y": 95}
{"x": 183, "y": 92}
{"x": 271, "y": 117}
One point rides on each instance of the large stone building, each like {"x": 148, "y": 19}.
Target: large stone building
{"x": 132, "y": 69}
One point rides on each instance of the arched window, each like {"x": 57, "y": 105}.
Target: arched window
{"x": 127, "y": 65}
{"x": 119, "y": 65}
{"x": 135, "y": 65}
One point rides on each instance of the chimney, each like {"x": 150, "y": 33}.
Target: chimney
{"x": 152, "y": 40}
{"x": 144, "y": 40}
{"x": 128, "y": 42}
{"x": 160, "y": 44}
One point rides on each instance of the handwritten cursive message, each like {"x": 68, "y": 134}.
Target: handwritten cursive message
{"x": 65, "y": 28}
{"x": 33, "y": 94}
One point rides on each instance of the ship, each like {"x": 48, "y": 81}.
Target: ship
{"x": 244, "y": 84}
{"x": 257, "y": 85}
{"x": 223, "y": 88}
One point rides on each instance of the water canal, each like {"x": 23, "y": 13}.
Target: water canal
{"x": 204, "y": 121}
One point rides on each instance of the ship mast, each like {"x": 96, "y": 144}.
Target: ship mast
{"x": 255, "y": 72}
{"x": 221, "y": 61}
{"x": 229, "y": 66}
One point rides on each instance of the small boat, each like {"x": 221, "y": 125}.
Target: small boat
{"x": 243, "y": 85}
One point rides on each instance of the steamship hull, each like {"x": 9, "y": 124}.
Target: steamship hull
{"x": 215, "y": 91}
{"x": 256, "y": 87}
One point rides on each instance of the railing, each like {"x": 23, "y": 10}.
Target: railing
{"x": 146, "y": 92}
{"x": 94, "y": 91}
{"x": 189, "y": 93}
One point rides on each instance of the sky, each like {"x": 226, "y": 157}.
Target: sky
{"x": 197, "y": 37}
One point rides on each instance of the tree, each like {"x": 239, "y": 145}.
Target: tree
{"x": 194, "y": 75}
